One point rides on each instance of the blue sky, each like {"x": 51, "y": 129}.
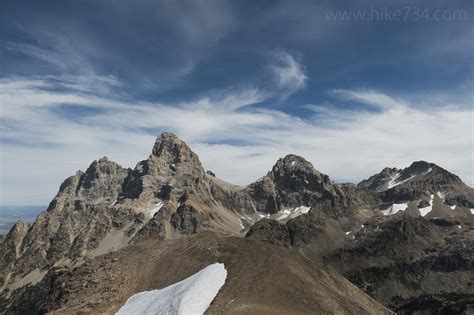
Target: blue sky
{"x": 243, "y": 82}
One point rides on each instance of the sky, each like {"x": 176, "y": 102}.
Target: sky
{"x": 352, "y": 86}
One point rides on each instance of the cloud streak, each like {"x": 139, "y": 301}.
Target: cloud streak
{"x": 233, "y": 135}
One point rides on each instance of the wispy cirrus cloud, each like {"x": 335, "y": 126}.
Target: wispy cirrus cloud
{"x": 289, "y": 74}
{"x": 233, "y": 135}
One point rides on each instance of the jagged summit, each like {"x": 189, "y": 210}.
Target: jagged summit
{"x": 167, "y": 141}
{"x": 293, "y": 182}
{"x": 293, "y": 163}
{"x": 293, "y": 173}
{"x": 419, "y": 170}
{"x": 18, "y": 230}
{"x": 102, "y": 165}
{"x": 417, "y": 181}
{"x": 171, "y": 164}
{"x": 171, "y": 150}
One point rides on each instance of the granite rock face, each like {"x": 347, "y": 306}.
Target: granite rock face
{"x": 10, "y": 248}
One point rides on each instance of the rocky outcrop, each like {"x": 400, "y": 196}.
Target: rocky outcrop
{"x": 186, "y": 219}
{"x": 270, "y": 231}
{"x": 412, "y": 265}
{"x": 380, "y": 181}
{"x": 11, "y": 249}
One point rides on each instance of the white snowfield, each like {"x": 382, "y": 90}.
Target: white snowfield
{"x": 155, "y": 209}
{"x": 291, "y": 213}
{"x": 424, "y": 211}
{"x": 190, "y": 296}
{"x": 395, "y": 208}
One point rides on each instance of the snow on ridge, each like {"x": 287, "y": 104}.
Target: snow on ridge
{"x": 291, "y": 213}
{"x": 424, "y": 211}
{"x": 441, "y": 196}
{"x": 192, "y": 295}
{"x": 395, "y": 180}
{"x": 396, "y": 207}
{"x": 157, "y": 207}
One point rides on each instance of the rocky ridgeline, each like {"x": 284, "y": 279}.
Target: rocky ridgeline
{"x": 167, "y": 195}
{"x": 396, "y": 186}
{"x": 170, "y": 195}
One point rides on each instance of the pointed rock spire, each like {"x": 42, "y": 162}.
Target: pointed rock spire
{"x": 167, "y": 141}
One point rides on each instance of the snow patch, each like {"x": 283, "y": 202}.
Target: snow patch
{"x": 291, "y": 213}
{"x": 441, "y": 196}
{"x": 424, "y": 211}
{"x": 192, "y": 295}
{"x": 396, "y": 207}
{"x": 396, "y": 179}
{"x": 266, "y": 215}
{"x": 347, "y": 233}
{"x": 453, "y": 207}
{"x": 472, "y": 210}
{"x": 157, "y": 207}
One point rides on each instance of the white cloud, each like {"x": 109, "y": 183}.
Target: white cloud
{"x": 290, "y": 75}
{"x": 369, "y": 97}
{"x": 232, "y": 135}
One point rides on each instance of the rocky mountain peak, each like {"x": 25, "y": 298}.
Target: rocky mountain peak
{"x": 420, "y": 178}
{"x": 291, "y": 163}
{"x": 171, "y": 164}
{"x": 295, "y": 172}
{"x": 166, "y": 141}
{"x": 389, "y": 171}
{"x": 169, "y": 143}
{"x": 101, "y": 182}
{"x": 416, "y": 168}
{"x": 19, "y": 229}
{"x": 13, "y": 241}
{"x": 292, "y": 182}
{"x": 171, "y": 150}
{"x": 428, "y": 172}
{"x": 102, "y": 166}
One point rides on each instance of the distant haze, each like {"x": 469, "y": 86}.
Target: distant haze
{"x": 10, "y": 214}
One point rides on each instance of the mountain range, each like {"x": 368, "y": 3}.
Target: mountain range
{"x": 293, "y": 242}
